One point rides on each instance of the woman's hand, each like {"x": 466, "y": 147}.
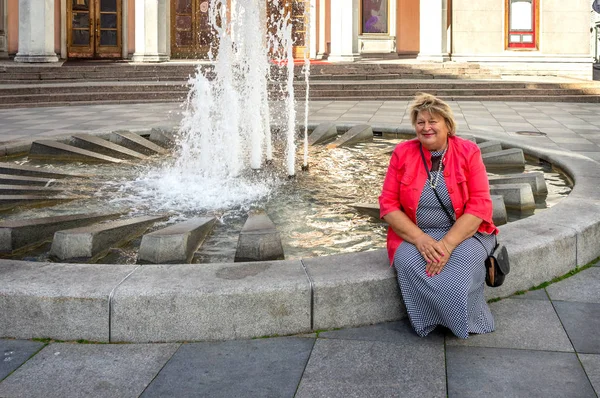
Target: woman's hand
{"x": 434, "y": 268}
{"x": 432, "y": 251}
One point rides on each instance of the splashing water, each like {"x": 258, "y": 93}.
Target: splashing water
{"x": 225, "y": 132}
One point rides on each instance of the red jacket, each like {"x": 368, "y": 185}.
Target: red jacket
{"x": 466, "y": 180}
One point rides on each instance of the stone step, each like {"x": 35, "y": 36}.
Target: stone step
{"x": 31, "y": 171}
{"x": 8, "y": 202}
{"x": 516, "y": 196}
{"x": 89, "y": 244}
{"x": 57, "y": 151}
{"x": 259, "y": 240}
{"x": 28, "y": 190}
{"x": 175, "y": 244}
{"x": 76, "y": 97}
{"x": 535, "y": 179}
{"x": 98, "y": 145}
{"x": 21, "y": 235}
{"x": 356, "y": 134}
{"x": 7, "y": 179}
{"x": 136, "y": 143}
{"x": 499, "y": 216}
{"x": 506, "y": 159}
{"x": 322, "y": 133}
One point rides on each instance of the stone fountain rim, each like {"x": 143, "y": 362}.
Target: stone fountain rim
{"x": 183, "y": 302}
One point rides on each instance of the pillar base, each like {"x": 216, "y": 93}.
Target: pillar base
{"x": 434, "y": 57}
{"x": 24, "y": 58}
{"x": 149, "y": 58}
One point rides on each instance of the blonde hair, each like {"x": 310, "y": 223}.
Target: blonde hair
{"x": 435, "y": 106}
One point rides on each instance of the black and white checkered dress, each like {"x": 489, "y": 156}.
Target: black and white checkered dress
{"x": 454, "y": 298}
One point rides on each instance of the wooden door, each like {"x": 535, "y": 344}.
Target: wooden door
{"x": 297, "y": 10}
{"x": 94, "y": 29}
{"x": 191, "y": 34}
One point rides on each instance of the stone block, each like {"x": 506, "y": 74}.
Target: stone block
{"x": 136, "y": 143}
{"x": 163, "y": 138}
{"x": 499, "y": 216}
{"x": 176, "y": 243}
{"x": 8, "y": 202}
{"x": 28, "y": 190}
{"x": 53, "y": 150}
{"x": 506, "y": 159}
{"x": 58, "y": 301}
{"x": 359, "y": 133}
{"x": 93, "y": 242}
{"x": 516, "y": 196}
{"x": 370, "y": 209}
{"x": 7, "y": 179}
{"x": 30, "y": 171}
{"x": 21, "y": 234}
{"x": 104, "y": 147}
{"x": 190, "y": 302}
{"x": 581, "y": 321}
{"x": 490, "y": 146}
{"x": 323, "y": 133}
{"x": 468, "y": 137}
{"x": 259, "y": 240}
{"x": 354, "y": 289}
{"x": 534, "y": 178}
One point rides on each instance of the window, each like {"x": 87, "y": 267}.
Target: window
{"x": 374, "y": 16}
{"x": 522, "y": 24}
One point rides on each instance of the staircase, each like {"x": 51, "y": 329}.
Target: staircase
{"x": 83, "y": 83}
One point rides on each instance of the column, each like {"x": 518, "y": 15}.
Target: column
{"x": 3, "y": 28}
{"x": 344, "y": 30}
{"x": 322, "y": 43}
{"x": 151, "y": 25}
{"x": 433, "y": 30}
{"x": 36, "y": 31}
{"x": 312, "y": 33}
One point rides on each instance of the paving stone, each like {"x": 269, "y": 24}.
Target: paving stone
{"x": 583, "y": 287}
{"x": 591, "y": 364}
{"x": 14, "y": 353}
{"x": 351, "y": 368}
{"x": 65, "y": 370}
{"x": 251, "y": 368}
{"x": 582, "y": 322}
{"x": 399, "y": 333}
{"x": 521, "y": 324}
{"x": 501, "y": 373}
{"x": 539, "y": 294}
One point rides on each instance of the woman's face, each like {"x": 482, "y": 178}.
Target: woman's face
{"x": 432, "y": 131}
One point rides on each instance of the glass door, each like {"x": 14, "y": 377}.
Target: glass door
{"x": 191, "y": 34}
{"x": 94, "y": 29}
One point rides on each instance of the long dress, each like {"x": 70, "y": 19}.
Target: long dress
{"x": 454, "y": 298}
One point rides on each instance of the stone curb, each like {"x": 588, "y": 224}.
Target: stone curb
{"x": 182, "y": 302}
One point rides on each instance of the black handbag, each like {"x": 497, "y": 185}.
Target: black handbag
{"x": 497, "y": 265}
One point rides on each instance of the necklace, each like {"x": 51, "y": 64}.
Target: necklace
{"x": 430, "y": 179}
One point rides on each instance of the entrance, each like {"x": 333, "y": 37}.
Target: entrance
{"x": 94, "y": 29}
{"x": 191, "y": 34}
{"x": 298, "y": 18}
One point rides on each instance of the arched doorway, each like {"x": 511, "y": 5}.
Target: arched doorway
{"x": 94, "y": 29}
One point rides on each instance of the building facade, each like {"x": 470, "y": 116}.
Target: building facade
{"x": 535, "y": 32}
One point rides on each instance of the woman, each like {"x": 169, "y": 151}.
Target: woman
{"x": 438, "y": 245}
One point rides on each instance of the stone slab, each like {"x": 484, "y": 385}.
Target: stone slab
{"x": 539, "y": 294}
{"x": 499, "y": 215}
{"x": 356, "y": 134}
{"x": 591, "y": 364}
{"x": 30, "y": 171}
{"x": 399, "y": 333}
{"x": 354, "y": 368}
{"x": 505, "y": 159}
{"x": 251, "y": 368}
{"x": 8, "y": 202}
{"x": 354, "y": 289}
{"x": 104, "y": 147}
{"x": 259, "y": 240}
{"x": 493, "y": 372}
{"x": 6, "y": 179}
{"x": 176, "y": 243}
{"x": 23, "y": 233}
{"x": 521, "y": 324}
{"x": 490, "y": 146}
{"x": 136, "y": 143}
{"x": 93, "y": 242}
{"x": 516, "y": 196}
{"x": 583, "y": 287}
{"x": 13, "y": 353}
{"x": 582, "y": 322}
{"x": 163, "y": 138}
{"x": 54, "y": 150}
{"x": 369, "y": 209}
{"x": 59, "y": 301}
{"x": 7, "y": 189}
{"x": 63, "y": 370}
{"x": 188, "y": 302}
{"x": 534, "y": 178}
{"x": 322, "y": 133}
